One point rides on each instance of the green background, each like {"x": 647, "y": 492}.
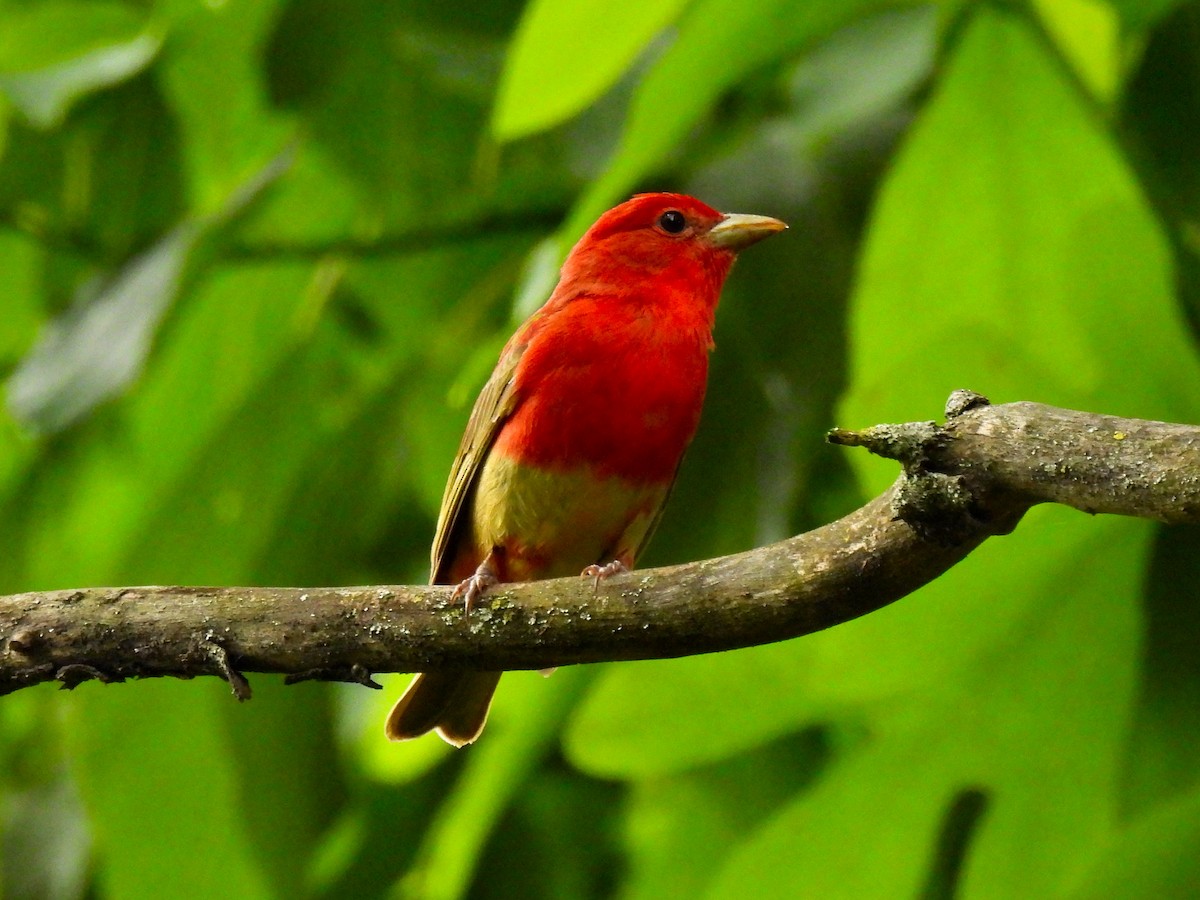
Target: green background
{"x": 257, "y": 257}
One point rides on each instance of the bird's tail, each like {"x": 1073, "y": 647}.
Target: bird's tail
{"x": 454, "y": 703}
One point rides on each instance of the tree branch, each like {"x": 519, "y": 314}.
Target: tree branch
{"x": 963, "y": 482}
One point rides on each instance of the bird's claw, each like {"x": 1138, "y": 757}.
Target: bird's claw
{"x": 616, "y": 567}
{"x": 472, "y": 588}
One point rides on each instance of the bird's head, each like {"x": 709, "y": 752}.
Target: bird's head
{"x": 656, "y": 239}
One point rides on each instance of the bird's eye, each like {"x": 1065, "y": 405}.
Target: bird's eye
{"x": 672, "y": 221}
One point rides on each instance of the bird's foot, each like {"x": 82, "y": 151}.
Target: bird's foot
{"x": 616, "y": 567}
{"x": 474, "y": 587}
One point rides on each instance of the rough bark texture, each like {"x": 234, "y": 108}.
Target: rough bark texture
{"x": 963, "y": 482}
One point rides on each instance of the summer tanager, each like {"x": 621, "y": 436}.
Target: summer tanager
{"x": 575, "y": 440}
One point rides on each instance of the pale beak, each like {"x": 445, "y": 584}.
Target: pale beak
{"x": 736, "y": 231}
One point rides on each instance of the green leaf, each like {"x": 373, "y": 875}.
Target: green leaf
{"x": 719, "y": 42}
{"x": 287, "y": 774}
{"x": 557, "y": 842}
{"x": 1154, "y": 857}
{"x": 551, "y": 73}
{"x": 941, "y": 631}
{"x": 230, "y": 129}
{"x": 47, "y": 844}
{"x": 1159, "y": 107}
{"x": 78, "y": 515}
{"x": 52, "y": 54}
{"x": 526, "y": 724}
{"x": 158, "y": 774}
{"x": 98, "y": 190}
{"x": 1166, "y": 731}
{"x": 396, "y": 115}
{"x": 100, "y": 345}
{"x": 657, "y": 717}
{"x": 5, "y": 119}
{"x": 679, "y": 829}
{"x": 662, "y": 716}
{"x": 1139, "y": 14}
{"x": 1088, "y": 36}
{"x": 1012, "y": 252}
{"x": 19, "y": 259}
{"x": 1036, "y": 726}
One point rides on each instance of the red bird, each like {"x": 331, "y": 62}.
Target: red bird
{"x": 574, "y": 442}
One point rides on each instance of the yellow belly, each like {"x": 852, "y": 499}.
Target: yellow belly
{"x": 552, "y": 523}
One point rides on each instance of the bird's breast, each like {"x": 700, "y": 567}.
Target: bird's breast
{"x": 624, "y": 402}
{"x": 554, "y": 522}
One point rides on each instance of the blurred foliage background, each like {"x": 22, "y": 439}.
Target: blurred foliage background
{"x": 257, "y": 256}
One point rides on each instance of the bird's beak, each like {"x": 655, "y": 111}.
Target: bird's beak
{"x": 736, "y": 231}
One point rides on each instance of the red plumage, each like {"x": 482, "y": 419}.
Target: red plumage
{"x": 617, "y": 359}
{"x": 574, "y": 442}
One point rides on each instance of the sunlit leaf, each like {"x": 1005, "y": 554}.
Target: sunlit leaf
{"x": 1034, "y": 270}
{"x": 365, "y": 713}
{"x": 718, "y": 43}
{"x": 1088, "y": 35}
{"x": 552, "y": 72}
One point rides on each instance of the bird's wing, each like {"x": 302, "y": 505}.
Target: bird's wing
{"x": 494, "y": 405}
